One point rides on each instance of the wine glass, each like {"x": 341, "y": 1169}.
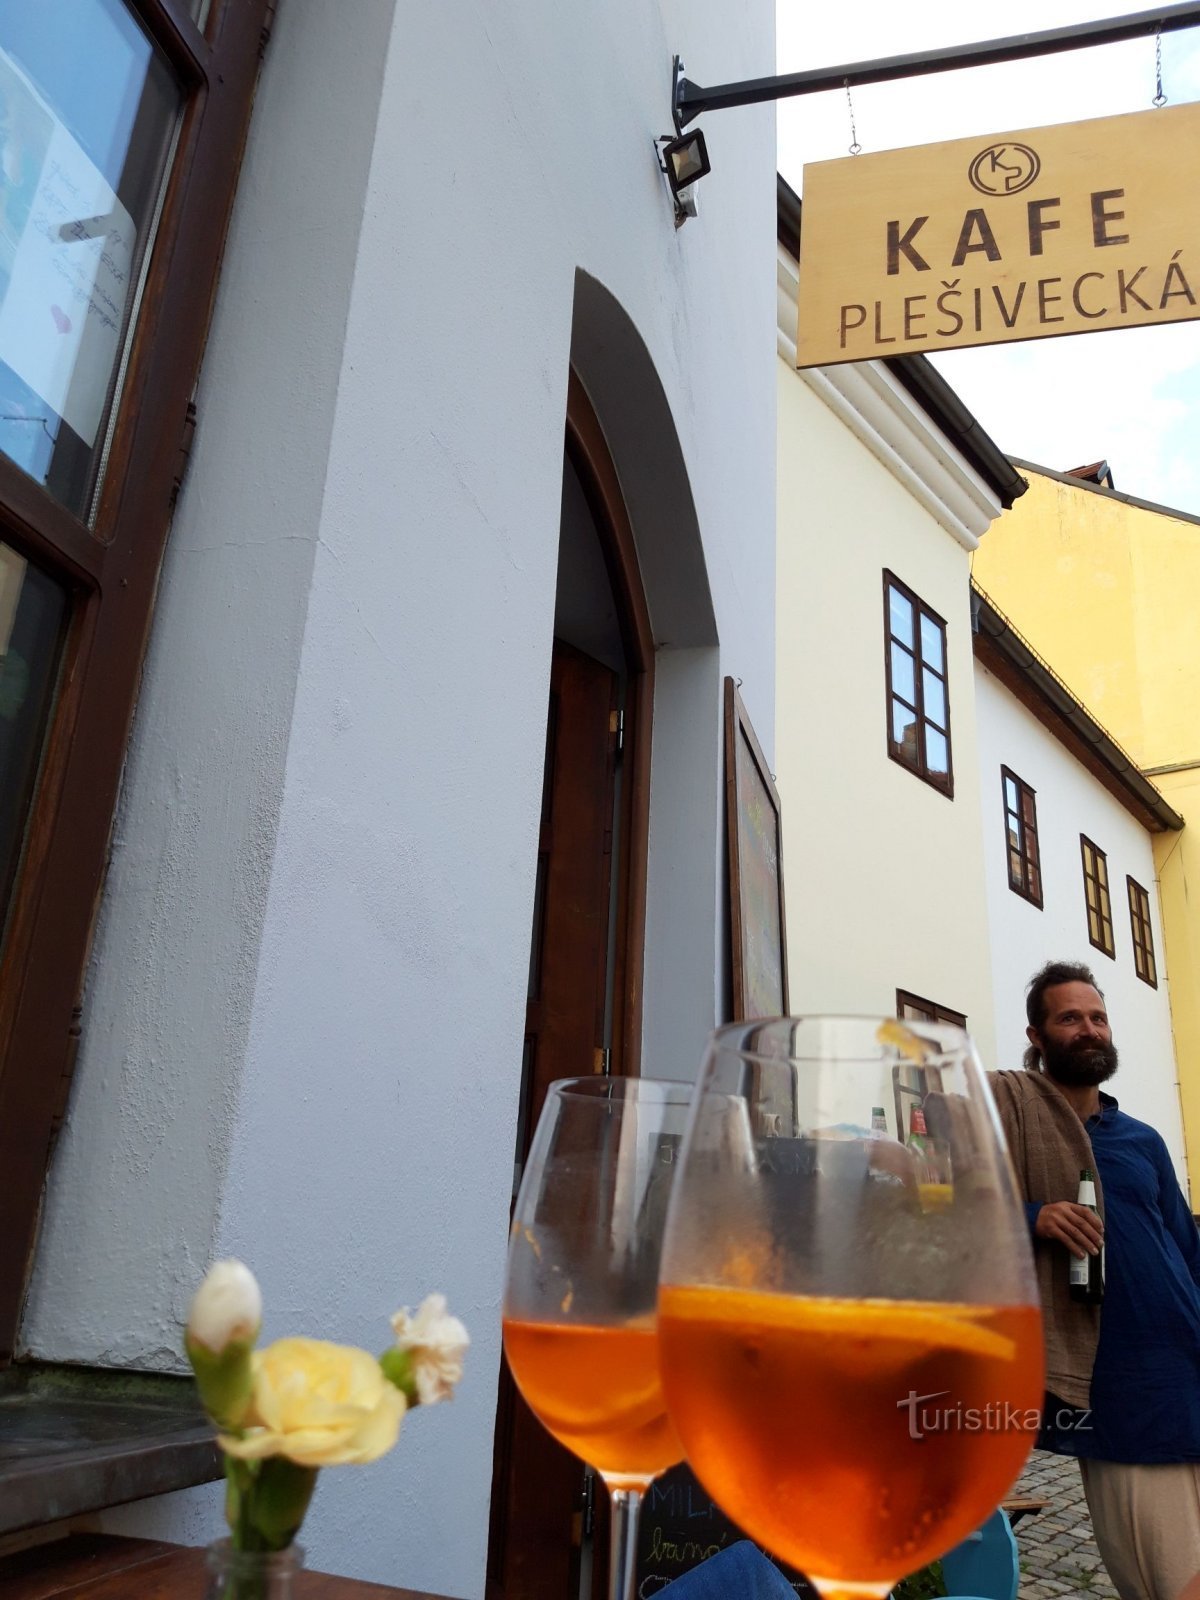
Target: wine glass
{"x": 851, "y": 1351}
{"x": 579, "y": 1302}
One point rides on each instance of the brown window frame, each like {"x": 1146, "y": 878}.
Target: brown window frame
{"x": 110, "y": 568}
{"x": 1103, "y": 906}
{"x": 1142, "y": 929}
{"x": 929, "y": 1009}
{"x": 1028, "y": 881}
{"x": 942, "y": 782}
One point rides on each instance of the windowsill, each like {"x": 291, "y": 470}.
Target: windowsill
{"x": 76, "y": 1439}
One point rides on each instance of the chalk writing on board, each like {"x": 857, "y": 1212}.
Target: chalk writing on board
{"x": 681, "y": 1527}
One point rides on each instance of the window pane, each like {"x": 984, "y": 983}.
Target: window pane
{"x": 1089, "y": 859}
{"x": 1035, "y": 882}
{"x": 1010, "y": 794}
{"x": 904, "y": 681}
{"x": 1090, "y": 886}
{"x": 900, "y": 615}
{"x": 935, "y": 698}
{"x": 1093, "y": 927}
{"x": 932, "y": 649}
{"x": 1101, "y": 869}
{"x": 1014, "y": 838}
{"x": 1027, "y": 809}
{"x": 1016, "y": 869}
{"x": 87, "y": 107}
{"x": 904, "y": 732}
{"x": 33, "y": 609}
{"x": 937, "y": 752}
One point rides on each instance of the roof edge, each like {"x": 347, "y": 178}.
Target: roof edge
{"x": 1109, "y": 494}
{"x": 1061, "y": 705}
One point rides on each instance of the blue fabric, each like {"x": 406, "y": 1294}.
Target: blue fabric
{"x": 739, "y": 1572}
{"x": 986, "y": 1564}
{"x": 1146, "y": 1380}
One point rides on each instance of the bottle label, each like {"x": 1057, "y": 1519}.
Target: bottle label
{"x": 1087, "y": 1194}
{"x": 1079, "y": 1272}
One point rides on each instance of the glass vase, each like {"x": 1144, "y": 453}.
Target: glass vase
{"x": 251, "y": 1574}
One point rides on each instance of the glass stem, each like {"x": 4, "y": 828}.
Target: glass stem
{"x": 622, "y": 1549}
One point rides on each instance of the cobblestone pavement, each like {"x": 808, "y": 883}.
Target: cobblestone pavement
{"x": 1058, "y": 1553}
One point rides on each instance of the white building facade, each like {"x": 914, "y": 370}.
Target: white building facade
{"x": 306, "y": 1025}
{"x": 886, "y": 902}
{"x": 1073, "y": 786}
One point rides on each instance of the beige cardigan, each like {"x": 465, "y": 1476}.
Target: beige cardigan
{"x": 1049, "y": 1148}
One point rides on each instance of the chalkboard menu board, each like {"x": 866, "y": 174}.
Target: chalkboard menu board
{"x": 680, "y": 1528}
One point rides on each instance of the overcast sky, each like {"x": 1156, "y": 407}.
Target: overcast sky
{"x": 1131, "y": 397}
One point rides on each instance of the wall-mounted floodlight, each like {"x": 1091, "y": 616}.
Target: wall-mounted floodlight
{"x": 684, "y": 159}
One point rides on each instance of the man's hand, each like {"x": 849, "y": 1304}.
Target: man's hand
{"x": 1079, "y": 1228}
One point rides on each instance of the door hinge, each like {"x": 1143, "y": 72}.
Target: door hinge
{"x": 74, "y": 1034}
{"x": 185, "y": 450}
{"x": 589, "y": 1502}
{"x": 602, "y": 1062}
{"x": 616, "y": 729}
{"x": 267, "y": 25}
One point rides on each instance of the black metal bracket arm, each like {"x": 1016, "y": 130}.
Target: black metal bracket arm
{"x": 691, "y": 99}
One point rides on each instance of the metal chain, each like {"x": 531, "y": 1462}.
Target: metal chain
{"x": 1160, "y": 98}
{"x": 855, "y": 147}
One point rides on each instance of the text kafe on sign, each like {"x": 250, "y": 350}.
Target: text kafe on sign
{"x": 1056, "y": 230}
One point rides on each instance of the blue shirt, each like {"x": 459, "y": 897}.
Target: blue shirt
{"x": 1146, "y": 1381}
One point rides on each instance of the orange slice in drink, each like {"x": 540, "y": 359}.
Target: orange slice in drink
{"x": 862, "y": 1335}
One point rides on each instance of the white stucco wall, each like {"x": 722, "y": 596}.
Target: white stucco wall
{"x": 1070, "y": 801}
{"x": 305, "y": 1011}
{"x": 885, "y": 886}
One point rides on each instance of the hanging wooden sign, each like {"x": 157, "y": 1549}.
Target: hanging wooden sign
{"x": 1028, "y": 235}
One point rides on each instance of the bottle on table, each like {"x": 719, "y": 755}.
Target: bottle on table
{"x": 918, "y": 1133}
{"x": 1087, "y": 1275}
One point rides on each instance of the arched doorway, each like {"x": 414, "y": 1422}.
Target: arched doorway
{"x": 583, "y": 1011}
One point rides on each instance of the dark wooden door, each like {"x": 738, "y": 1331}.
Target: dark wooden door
{"x": 537, "y": 1486}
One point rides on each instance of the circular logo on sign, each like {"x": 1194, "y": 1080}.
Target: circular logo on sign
{"x": 1004, "y": 169}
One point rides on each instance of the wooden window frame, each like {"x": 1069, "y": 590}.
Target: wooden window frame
{"x": 942, "y": 782}
{"x": 1029, "y": 883}
{"x": 1103, "y": 908}
{"x": 934, "y": 1012}
{"x": 1142, "y": 929}
{"x": 110, "y": 569}
{"x": 901, "y": 1091}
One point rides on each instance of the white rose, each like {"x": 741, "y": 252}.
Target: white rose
{"x": 435, "y": 1343}
{"x": 227, "y": 1307}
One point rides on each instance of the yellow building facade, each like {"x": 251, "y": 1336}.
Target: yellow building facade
{"x": 1105, "y": 587}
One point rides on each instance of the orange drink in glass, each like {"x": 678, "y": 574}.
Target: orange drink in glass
{"x": 853, "y": 1363}
{"x": 580, "y": 1314}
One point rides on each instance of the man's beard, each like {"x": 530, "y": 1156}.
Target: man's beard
{"x": 1079, "y": 1066}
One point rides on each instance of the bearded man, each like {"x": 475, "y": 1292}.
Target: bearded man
{"x": 1122, "y": 1377}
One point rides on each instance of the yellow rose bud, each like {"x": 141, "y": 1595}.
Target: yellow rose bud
{"x": 222, "y": 1325}
{"x": 227, "y": 1307}
{"x": 318, "y": 1404}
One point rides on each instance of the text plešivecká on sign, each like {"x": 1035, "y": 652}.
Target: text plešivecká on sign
{"x": 1071, "y": 229}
